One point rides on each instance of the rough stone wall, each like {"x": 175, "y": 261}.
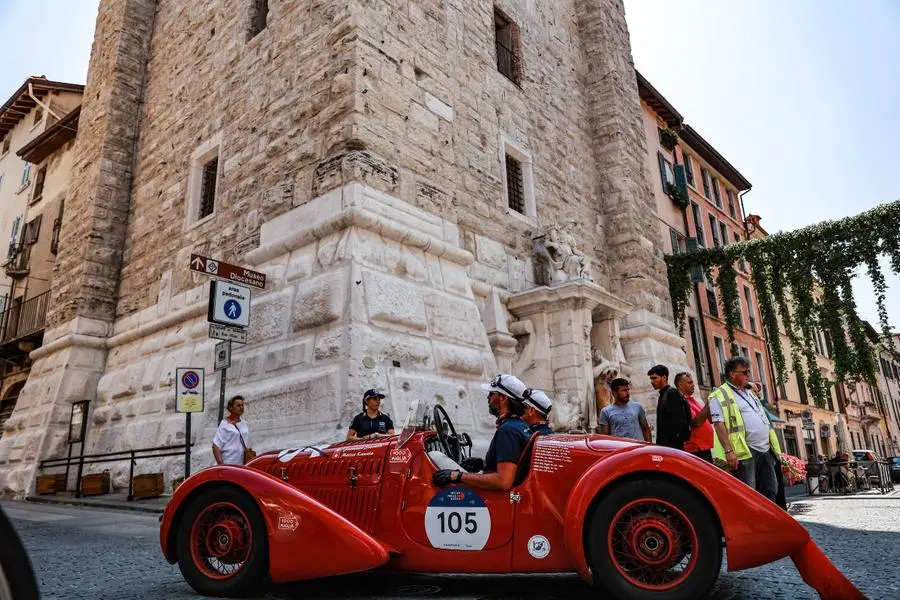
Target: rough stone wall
{"x": 91, "y": 245}
{"x": 404, "y": 96}
{"x": 280, "y": 102}
{"x": 435, "y": 105}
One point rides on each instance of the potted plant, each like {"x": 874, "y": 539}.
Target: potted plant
{"x": 677, "y": 195}
{"x": 668, "y": 138}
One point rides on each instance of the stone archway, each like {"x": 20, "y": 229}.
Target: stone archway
{"x": 8, "y": 403}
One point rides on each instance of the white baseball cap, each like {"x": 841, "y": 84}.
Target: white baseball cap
{"x": 508, "y": 385}
{"x": 539, "y": 401}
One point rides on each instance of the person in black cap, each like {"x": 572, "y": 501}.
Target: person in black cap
{"x": 371, "y": 422}
{"x": 537, "y": 411}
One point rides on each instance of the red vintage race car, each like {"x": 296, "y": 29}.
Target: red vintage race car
{"x": 636, "y": 520}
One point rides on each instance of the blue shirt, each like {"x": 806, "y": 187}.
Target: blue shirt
{"x": 541, "y": 429}
{"x": 624, "y": 421}
{"x": 509, "y": 441}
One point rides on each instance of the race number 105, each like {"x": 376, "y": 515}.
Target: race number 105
{"x": 458, "y": 529}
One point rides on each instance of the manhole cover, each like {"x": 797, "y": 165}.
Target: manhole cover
{"x": 416, "y": 590}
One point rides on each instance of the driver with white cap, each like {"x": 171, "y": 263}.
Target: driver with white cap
{"x": 505, "y": 401}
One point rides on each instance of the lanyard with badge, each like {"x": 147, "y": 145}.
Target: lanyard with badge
{"x": 754, "y": 404}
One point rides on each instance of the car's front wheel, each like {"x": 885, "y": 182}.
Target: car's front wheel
{"x": 222, "y": 544}
{"x": 653, "y": 539}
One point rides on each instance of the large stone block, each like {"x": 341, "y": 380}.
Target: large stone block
{"x": 372, "y": 347}
{"x": 320, "y": 300}
{"x": 394, "y": 303}
{"x": 455, "y": 359}
{"x": 455, "y": 318}
{"x": 269, "y": 316}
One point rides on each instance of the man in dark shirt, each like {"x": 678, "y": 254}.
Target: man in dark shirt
{"x": 673, "y": 415}
{"x": 537, "y": 412}
{"x": 505, "y": 401}
{"x": 371, "y": 422}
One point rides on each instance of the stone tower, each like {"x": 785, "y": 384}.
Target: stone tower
{"x": 438, "y": 190}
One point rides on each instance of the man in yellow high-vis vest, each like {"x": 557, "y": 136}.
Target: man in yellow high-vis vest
{"x": 744, "y": 436}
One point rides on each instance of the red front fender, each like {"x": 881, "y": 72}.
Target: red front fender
{"x": 306, "y": 538}
{"x": 756, "y": 530}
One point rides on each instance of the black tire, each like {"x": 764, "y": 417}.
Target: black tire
{"x": 251, "y": 576}
{"x": 17, "y": 580}
{"x": 662, "y": 510}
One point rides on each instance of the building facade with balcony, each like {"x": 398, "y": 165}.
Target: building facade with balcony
{"x": 38, "y": 126}
{"x": 699, "y": 204}
{"x": 889, "y": 385}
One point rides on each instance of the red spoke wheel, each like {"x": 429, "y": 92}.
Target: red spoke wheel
{"x": 222, "y": 543}
{"x": 654, "y": 538}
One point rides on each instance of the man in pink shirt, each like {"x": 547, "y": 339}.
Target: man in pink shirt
{"x": 701, "y": 442}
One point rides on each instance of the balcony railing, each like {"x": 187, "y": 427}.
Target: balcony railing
{"x": 24, "y": 319}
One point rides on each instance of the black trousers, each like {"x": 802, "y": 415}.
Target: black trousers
{"x": 704, "y": 454}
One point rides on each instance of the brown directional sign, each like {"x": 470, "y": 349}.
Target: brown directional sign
{"x": 222, "y": 270}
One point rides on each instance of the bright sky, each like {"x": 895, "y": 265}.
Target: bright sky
{"x": 800, "y": 96}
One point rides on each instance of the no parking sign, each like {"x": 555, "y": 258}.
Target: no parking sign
{"x": 189, "y": 390}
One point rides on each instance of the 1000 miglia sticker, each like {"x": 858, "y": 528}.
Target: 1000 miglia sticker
{"x": 457, "y": 519}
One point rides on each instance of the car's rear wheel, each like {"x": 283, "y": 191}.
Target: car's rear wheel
{"x": 650, "y": 539}
{"x": 222, "y": 544}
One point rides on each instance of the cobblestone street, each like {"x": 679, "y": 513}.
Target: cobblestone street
{"x": 81, "y": 553}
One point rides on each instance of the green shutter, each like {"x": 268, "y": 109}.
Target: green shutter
{"x": 681, "y": 181}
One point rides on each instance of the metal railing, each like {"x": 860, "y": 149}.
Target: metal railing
{"x": 849, "y": 477}
{"x": 24, "y": 319}
{"x": 508, "y": 63}
{"x": 130, "y": 455}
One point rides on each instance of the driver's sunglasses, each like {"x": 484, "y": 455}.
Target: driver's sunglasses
{"x": 744, "y": 372}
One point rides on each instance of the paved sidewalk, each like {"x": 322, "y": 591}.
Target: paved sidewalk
{"x": 116, "y": 501}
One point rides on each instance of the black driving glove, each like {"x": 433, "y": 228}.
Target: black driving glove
{"x": 442, "y": 477}
{"x": 473, "y": 464}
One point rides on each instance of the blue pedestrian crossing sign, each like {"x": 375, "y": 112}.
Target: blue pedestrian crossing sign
{"x": 229, "y": 304}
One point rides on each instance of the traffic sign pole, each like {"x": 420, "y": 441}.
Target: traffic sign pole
{"x": 222, "y": 396}
{"x": 187, "y": 445}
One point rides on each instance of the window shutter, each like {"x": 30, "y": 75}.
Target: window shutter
{"x": 35, "y": 229}
{"x": 681, "y": 181}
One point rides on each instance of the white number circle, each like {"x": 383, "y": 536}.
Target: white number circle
{"x": 457, "y": 519}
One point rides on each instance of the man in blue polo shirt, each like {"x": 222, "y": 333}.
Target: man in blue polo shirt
{"x": 505, "y": 401}
{"x": 371, "y": 422}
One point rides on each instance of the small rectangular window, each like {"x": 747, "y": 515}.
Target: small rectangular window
{"x": 723, "y": 228}
{"x": 259, "y": 17}
{"x": 748, "y": 296}
{"x": 39, "y": 184}
{"x": 6, "y": 142}
{"x": 801, "y": 386}
{"x": 689, "y": 170}
{"x": 720, "y": 356}
{"x": 713, "y": 225}
{"x": 761, "y": 374}
{"x": 732, "y": 207}
{"x": 509, "y": 54}
{"x": 698, "y": 345}
{"x": 665, "y": 172}
{"x": 707, "y": 186}
{"x": 711, "y": 299}
{"x": 26, "y": 175}
{"x": 679, "y": 243}
{"x": 515, "y": 185}
{"x": 698, "y": 224}
{"x": 716, "y": 195}
{"x": 208, "y": 188}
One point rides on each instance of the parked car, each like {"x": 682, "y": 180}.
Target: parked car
{"x": 636, "y": 520}
{"x": 895, "y": 468}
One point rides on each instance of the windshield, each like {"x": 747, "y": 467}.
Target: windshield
{"x": 418, "y": 418}
{"x": 861, "y": 455}
{"x": 896, "y": 460}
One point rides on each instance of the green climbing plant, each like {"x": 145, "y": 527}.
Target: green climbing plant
{"x": 803, "y": 281}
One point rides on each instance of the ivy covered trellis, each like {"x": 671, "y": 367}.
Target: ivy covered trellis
{"x": 804, "y": 278}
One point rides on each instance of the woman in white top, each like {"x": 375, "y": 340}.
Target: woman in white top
{"x": 233, "y": 435}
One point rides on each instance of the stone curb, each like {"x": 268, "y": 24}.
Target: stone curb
{"x": 63, "y": 501}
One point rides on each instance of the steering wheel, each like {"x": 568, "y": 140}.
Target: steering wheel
{"x": 447, "y": 434}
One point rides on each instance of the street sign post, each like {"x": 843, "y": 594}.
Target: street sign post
{"x": 224, "y": 332}
{"x": 228, "y": 272}
{"x": 188, "y": 399}
{"x": 223, "y": 355}
{"x": 229, "y": 304}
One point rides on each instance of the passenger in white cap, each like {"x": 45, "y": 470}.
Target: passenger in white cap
{"x": 537, "y": 411}
{"x": 505, "y": 401}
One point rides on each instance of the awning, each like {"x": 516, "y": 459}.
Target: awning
{"x": 773, "y": 418}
